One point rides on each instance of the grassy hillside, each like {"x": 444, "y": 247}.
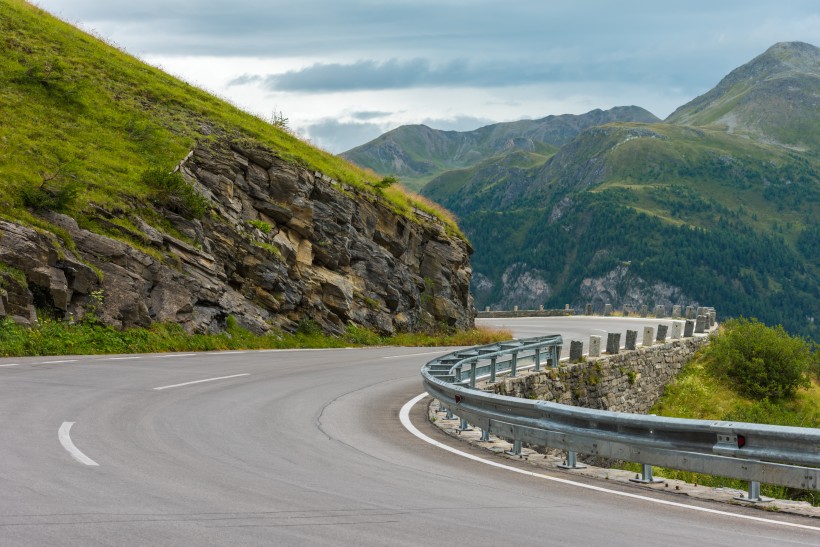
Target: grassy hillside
{"x": 82, "y": 117}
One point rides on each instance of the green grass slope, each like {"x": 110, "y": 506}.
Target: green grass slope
{"x": 773, "y": 98}
{"x": 77, "y": 111}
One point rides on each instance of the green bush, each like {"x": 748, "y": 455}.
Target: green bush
{"x": 261, "y": 225}
{"x": 53, "y": 197}
{"x": 761, "y": 361}
{"x": 170, "y": 190}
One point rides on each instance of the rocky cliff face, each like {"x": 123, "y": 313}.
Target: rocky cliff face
{"x": 280, "y": 245}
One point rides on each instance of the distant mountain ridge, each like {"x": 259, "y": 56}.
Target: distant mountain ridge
{"x": 416, "y": 153}
{"x": 717, "y": 205}
{"x": 773, "y": 98}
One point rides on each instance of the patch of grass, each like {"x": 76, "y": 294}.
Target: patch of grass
{"x": 260, "y": 225}
{"x": 699, "y": 394}
{"x": 52, "y": 337}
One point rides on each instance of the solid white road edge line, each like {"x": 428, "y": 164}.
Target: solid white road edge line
{"x": 65, "y": 440}
{"x": 201, "y": 381}
{"x": 404, "y": 416}
{"x": 444, "y": 352}
{"x": 11, "y": 365}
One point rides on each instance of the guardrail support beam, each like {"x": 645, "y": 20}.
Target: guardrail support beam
{"x": 464, "y": 426}
{"x": 646, "y": 476}
{"x": 513, "y": 363}
{"x": 754, "y": 494}
{"x": 571, "y": 461}
{"x": 485, "y": 436}
{"x": 537, "y": 359}
{"x": 492, "y": 369}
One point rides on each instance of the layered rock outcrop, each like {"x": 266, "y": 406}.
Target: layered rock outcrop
{"x": 280, "y": 245}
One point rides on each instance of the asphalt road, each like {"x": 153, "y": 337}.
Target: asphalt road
{"x": 291, "y": 448}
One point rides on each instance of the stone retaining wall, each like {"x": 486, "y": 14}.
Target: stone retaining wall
{"x": 630, "y": 381}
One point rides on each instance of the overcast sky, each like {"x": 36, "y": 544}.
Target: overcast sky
{"x": 345, "y": 71}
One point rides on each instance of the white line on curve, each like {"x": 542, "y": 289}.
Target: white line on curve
{"x": 415, "y": 354}
{"x": 55, "y": 362}
{"x": 65, "y": 440}
{"x": 171, "y": 355}
{"x": 404, "y": 416}
{"x": 201, "y": 381}
{"x": 11, "y": 365}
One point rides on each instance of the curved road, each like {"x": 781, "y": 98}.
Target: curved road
{"x": 291, "y": 448}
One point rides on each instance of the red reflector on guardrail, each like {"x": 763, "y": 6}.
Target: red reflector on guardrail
{"x": 741, "y": 441}
{"x": 458, "y": 399}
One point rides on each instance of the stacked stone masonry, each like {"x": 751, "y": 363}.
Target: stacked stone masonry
{"x": 631, "y": 381}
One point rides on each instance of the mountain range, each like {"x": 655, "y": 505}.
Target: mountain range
{"x": 716, "y": 205}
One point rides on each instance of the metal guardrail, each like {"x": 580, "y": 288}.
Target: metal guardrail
{"x": 786, "y": 456}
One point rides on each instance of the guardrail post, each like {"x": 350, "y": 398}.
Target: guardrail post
{"x": 516, "y": 448}
{"x": 485, "y": 436}
{"x": 513, "y": 363}
{"x": 631, "y": 339}
{"x": 556, "y": 356}
{"x": 646, "y": 476}
{"x": 492, "y": 370}
{"x": 754, "y": 494}
{"x": 572, "y": 461}
{"x": 576, "y": 351}
{"x": 472, "y": 373}
{"x": 648, "y": 336}
{"x": 464, "y": 426}
{"x": 449, "y": 415}
{"x": 537, "y": 359}
{"x": 594, "y": 346}
{"x": 613, "y": 343}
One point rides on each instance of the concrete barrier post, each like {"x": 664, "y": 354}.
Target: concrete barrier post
{"x": 631, "y": 338}
{"x": 689, "y": 328}
{"x": 541, "y": 307}
{"x": 677, "y": 330}
{"x": 588, "y": 309}
{"x": 690, "y": 312}
{"x": 607, "y": 310}
{"x": 644, "y": 310}
{"x": 515, "y": 308}
{"x": 648, "y": 336}
{"x": 675, "y": 312}
{"x": 660, "y": 311}
{"x": 662, "y": 330}
{"x": 594, "y": 346}
{"x": 701, "y": 323}
{"x": 613, "y": 343}
{"x": 576, "y": 351}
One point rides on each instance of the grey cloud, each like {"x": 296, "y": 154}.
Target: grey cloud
{"x": 369, "y": 114}
{"x": 246, "y": 79}
{"x": 413, "y": 73}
